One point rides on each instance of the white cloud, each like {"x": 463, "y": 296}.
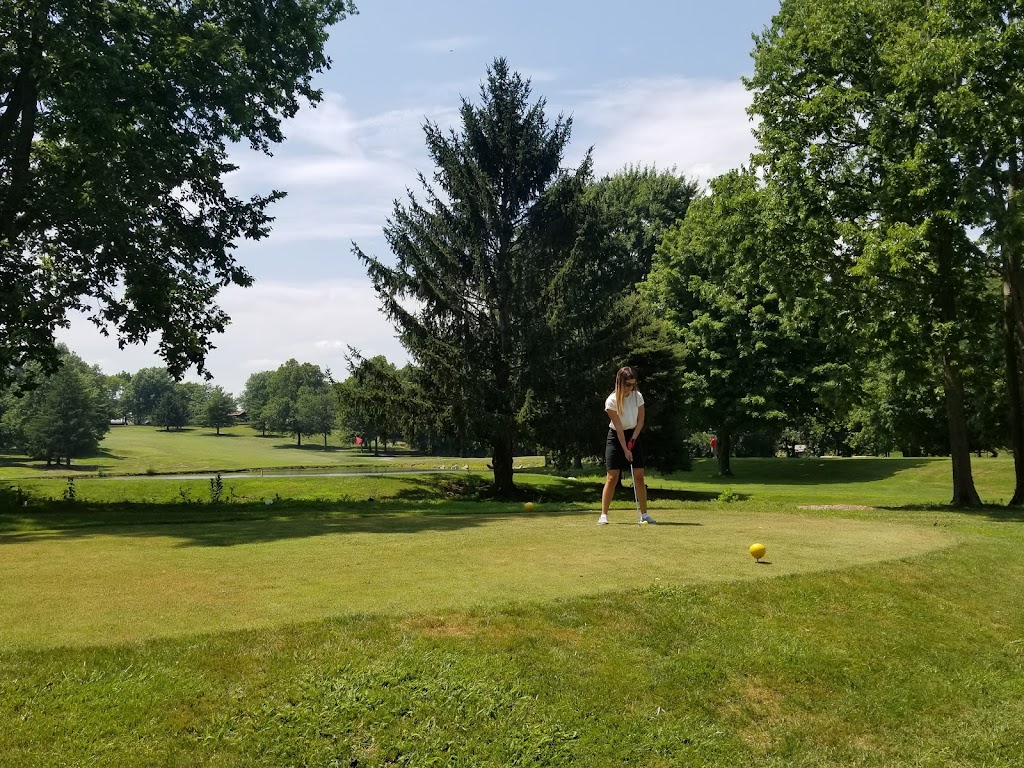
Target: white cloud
{"x": 343, "y": 172}
{"x": 271, "y": 323}
{"x": 699, "y": 126}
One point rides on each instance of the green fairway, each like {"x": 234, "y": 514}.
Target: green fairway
{"x": 140, "y": 450}
{"x": 860, "y": 481}
{"x": 416, "y": 628}
{"x": 221, "y": 576}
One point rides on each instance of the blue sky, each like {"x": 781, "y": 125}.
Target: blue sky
{"x": 645, "y": 82}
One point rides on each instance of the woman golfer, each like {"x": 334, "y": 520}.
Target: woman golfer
{"x": 623, "y": 449}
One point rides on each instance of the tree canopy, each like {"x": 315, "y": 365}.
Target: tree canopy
{"x": 861, "y": 138}
{"x": 115, "y": 121}
{"x": 746, "y": 362}
{"x": 65, "y": 417}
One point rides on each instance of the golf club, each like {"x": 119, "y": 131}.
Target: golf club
{"x": 636, "y": 498}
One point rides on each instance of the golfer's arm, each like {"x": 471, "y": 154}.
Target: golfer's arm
{"x": 639, "y": 422}
{"x": 618, "y": 428}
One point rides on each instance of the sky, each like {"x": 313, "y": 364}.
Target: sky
{"x": 648, "y": 82}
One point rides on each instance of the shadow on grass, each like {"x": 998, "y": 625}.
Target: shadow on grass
{"x": 318, "y": 447}
{"x": 555, "y": 490}
{"x": 993, "y": 513}
{"x": 422, "y": 505}
{"x": 77, "y": 465}
{"x": 237, "y": 524}
{"x": 803, "y": 471}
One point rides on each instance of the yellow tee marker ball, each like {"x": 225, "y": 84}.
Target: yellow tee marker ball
{"x": 528, "y": 506}
{"x": 758, "y": 551}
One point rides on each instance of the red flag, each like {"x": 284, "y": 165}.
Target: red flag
{"x": 359, "y": 441}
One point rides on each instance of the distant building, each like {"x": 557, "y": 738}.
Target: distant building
{"x": 239, "y": 415}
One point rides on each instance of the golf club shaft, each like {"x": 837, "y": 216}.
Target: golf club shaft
{"x": 636, "y": 498}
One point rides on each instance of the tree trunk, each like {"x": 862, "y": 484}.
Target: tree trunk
{"x": 325, "y": 441}
{"x": 964, "y": 493}
{"x": 299, "y": 435}
{"x": 501, "y": 461}
{"x": 1013, "y": 376}
{"x": 1013, "y": 298}
{"x": 17, "y": 129}
{"x": 723, "y": 451}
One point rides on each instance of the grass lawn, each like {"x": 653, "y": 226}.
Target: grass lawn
{"x": 138, "y": 450}
{"x": 418, "y": 629}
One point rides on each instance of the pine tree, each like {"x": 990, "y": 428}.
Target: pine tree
{"x": 478, "y": 260}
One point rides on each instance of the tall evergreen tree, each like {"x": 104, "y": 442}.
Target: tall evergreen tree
{"x": 477, "y": 260}
{"x": 65, "y": 417}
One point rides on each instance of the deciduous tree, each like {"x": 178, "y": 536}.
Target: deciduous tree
{"x": 115, "y": 122}
{"x": 747, "y": 364}
{"x": 858, "y": 139}
{"x": 219, "y": 406}
{"x": 316, "y": 412}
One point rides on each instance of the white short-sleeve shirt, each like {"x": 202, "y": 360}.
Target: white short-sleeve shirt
{"x": 630, "y": 408}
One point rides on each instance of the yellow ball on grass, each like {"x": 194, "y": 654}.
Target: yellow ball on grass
{"x": 758, "y": 551}
{"x": 528, "y": 506}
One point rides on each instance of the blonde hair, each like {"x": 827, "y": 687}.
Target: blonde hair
{"x": 625, "y": 374}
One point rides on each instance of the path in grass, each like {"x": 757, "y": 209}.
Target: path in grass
{"x": 122, "y": 584}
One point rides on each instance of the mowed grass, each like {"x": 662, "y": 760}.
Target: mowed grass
{"x": 888, "y": 482}
{"x": 414, "y": 629}
{"x": 139, "y": 450}
{"x": 210, "y": 577}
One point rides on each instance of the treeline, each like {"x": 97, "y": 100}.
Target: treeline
{"x": 64, "y": 415}
{"x": 858, "y": 287}
{"x": 834, "y": 294}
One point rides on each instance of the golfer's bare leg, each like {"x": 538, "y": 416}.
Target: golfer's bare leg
{"x": 641, "y": 489}
{"x": 609, "y": 490}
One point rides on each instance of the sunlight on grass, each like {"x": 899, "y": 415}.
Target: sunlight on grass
{"x": 140, "y": 450}
{"x": 378, "y": 621}
{"x": 110, "y": 585}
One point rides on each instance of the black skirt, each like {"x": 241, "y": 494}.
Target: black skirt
{"x": 615, "y": 457}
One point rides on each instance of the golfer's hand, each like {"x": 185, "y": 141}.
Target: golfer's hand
{"x": 629, "y": 456}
